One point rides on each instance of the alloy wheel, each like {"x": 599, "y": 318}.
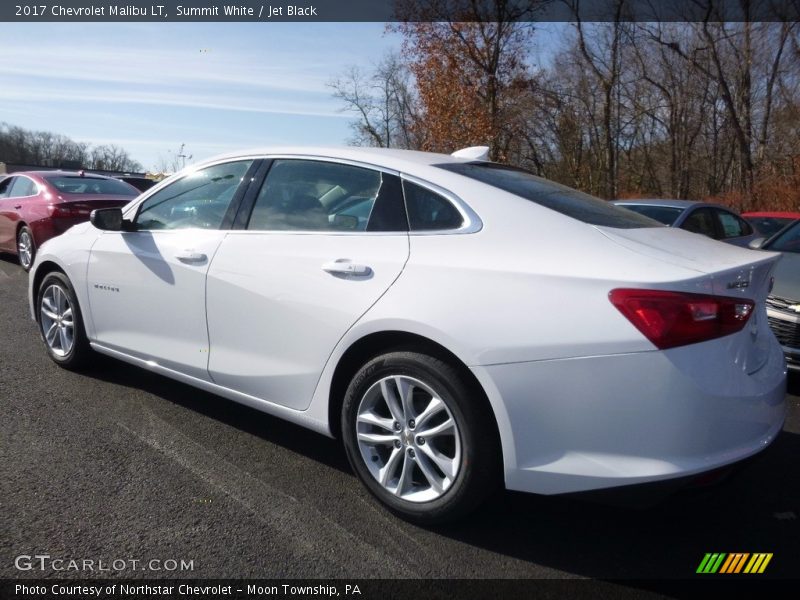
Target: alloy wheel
{"x": 25, "y": 249}
{"x": 56, "y": 320}
{"x": 408, "y": 438}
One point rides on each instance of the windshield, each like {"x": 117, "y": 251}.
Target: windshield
{"x": 76, "y": 184}
{"x": 788, "y": 240}
{"x": 663, "y": 214}
{"x": 554, "y": 196}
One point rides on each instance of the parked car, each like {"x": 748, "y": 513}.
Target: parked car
{"x": 480, "y": 326}
{"x": 140, "y": 183}
{"x": 37, "y": 205}
{"x": 783, "y": 303}
{"x": 713, "y": 220}
{"x": 768, "y": 223}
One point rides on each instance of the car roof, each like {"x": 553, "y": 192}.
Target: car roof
{"x": 390, "y": 158}
{"x": 773, "y": 214}
{"x": 59, "y": 172}
{"x": 664, "y": 202}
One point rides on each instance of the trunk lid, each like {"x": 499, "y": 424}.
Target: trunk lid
{"x": 732, "y": 271}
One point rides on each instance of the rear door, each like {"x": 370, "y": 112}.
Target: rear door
{"x": 321, "y": 244}
{"x": 147, "y": 287}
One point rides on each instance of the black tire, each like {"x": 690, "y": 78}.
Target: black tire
{"x": 78, "y": 353}
{"x": 479, "y": 469}
{"x": 25, "y": 235}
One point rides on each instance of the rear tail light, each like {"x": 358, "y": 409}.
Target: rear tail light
{"x": 670, "y": 319}
{"x": 65, "y": 211}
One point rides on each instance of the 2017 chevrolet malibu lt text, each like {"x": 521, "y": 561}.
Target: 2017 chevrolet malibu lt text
{"x": 460, "y": 324}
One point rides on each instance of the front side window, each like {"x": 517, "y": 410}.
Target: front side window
{"x": 309, "y": 195}
{"x": 200, "y": 200}
{"x": 23, "y": 187}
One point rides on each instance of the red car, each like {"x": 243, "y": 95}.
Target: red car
{"x": 38, "y": 205}
{"x": 768, "y": 223}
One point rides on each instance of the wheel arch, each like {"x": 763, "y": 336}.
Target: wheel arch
{"x": 42, "y": 271}
{"x": 381, "y": 342}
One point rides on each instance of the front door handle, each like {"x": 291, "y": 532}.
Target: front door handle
{"x": 344, "y": 266}
{"x": 190, "y": 256}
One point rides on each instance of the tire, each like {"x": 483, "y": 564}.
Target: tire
{"x": 432, "y": 480}
{"x": 61, "y": 322}
{"x": 26, "y": 247}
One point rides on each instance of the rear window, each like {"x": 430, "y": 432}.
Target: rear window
{"x": 663, "y": 214}
{"x": 75, "y": 184}
{"x": 554, "y": 196}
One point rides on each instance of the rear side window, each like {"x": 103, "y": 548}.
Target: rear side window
{"x": 554, "y": 196}
{"x": 428, "y": 211}
{"x": 732, "y": 226}
{"x": 23, "y": 187}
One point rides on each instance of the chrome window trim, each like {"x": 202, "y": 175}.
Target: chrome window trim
{"x": 472, "y": 222}
{"x": 32, "y": 180}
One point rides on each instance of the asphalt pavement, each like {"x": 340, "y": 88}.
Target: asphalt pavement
{"x": 120, "y": 464}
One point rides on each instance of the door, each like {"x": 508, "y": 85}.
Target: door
{"x": 323, "y": 242}
{"x": 146, "y": 287}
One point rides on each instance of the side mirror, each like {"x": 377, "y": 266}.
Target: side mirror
{"x": 107, "y": 219}
{"x": 757, "y": 243}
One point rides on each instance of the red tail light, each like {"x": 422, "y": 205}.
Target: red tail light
{"x": 65, "y": 211}
{"x": 670, "y": 319}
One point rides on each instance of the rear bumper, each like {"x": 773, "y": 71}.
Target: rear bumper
{"x": 600, "y": 422}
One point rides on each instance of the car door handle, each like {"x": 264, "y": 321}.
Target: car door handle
{"x": 18, "y": 206}
{"x": 190, "y": 256}
{"x": 344, "y": 266}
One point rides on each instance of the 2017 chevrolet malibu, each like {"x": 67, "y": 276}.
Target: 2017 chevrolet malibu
{"x": 460, "y": 324}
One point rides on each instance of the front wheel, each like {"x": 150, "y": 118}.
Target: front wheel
{"x": 61, "y": 323}
{"x": 420, "y": 437}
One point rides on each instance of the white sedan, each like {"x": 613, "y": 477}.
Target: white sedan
{"x": 460, "y": 324}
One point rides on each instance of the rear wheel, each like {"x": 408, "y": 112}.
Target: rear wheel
{"x": 419, "y": 437}
{"x": 26, "y": 247}
{"x": 61, "y": 322}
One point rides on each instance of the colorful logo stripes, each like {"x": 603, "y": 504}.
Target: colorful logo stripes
{"x": 736, "y": 562}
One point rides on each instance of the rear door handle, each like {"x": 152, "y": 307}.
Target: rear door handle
{"x": 190, "y": 256}
{"x": 344, "y": 266}
{"x": 18, "y": 206}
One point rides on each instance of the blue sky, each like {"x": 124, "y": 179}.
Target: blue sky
{"x": 149, "y": 87}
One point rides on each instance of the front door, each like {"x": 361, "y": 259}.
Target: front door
{"x": 147, "y": 287}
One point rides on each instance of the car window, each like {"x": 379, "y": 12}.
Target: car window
{"x": 701, "y": 221}
{"x": 554, "y": 196}
{"x": 86, "y": 184}
{"x": 787, "y": 241}
{"x": 768, "y": 226}
{"x": 309, "y": 195}
{"x": 663, "y": 214}
{"x": 731, "y": 225}
{"x": 429, "y": 211}
{"x": 199, "y": 200}
{"x": 23, "y": 187}
{"x": 5, "y": 186}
